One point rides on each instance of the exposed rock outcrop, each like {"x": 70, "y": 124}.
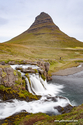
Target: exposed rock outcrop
{"x": 7, "y": 76}
{"x": 44, "y": 69}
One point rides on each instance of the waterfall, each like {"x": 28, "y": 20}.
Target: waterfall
{"x": 40, "y": 87}
{"x": 36, "y": 85}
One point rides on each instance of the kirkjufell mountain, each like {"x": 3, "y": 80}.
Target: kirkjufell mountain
{"x": 42, "y": 21}
{"x": 43, "y": 32}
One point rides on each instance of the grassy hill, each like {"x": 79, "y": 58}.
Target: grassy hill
{"x": 47, "y": 38}
{"x": 43, "y": 32}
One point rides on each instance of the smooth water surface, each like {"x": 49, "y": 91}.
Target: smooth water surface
{"x": 73, "y": 87}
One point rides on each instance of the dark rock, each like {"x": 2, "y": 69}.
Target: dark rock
{"x": 19, "y": 68}
{"x": 49, "y": 78}
{"x": 0, "y": 71}
{"x": 0, "y": 79}
{"x": 11, "y": 62}
{"x": 29, "y": 68}
{"x": 28, "y": 71}
{"x": 54, "y": 99}
{"x": 39, "y": 63}
{"x": 33, "y": 63}
{"x": 40, "y": 71}
{"x": 65, "y": 109}
{"x": 2, "y": 63}
{"x": 59, "y": 108}
{"x": 42, "y": 21}
{"x": 46, "y": 66}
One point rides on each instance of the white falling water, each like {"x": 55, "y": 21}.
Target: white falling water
{"x": 43, "y": 105}
{"x": 39, "y": 87}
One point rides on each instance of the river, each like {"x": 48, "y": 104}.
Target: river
{"x": 72, "y": 87}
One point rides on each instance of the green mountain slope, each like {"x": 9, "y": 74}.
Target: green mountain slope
{"x": 43, "y": 32}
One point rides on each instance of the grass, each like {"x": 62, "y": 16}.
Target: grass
{"x": 4, "y": 74}
{"x": 51, "y": 54}
{"x": 46, "y": 37}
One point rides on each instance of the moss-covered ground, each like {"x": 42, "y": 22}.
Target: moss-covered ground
{"x": 16, "y": 91}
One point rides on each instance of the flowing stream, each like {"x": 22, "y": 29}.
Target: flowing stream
{"x": 53, "y": 94}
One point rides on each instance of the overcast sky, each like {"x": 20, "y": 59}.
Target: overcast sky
{"x": 16, "y": 16}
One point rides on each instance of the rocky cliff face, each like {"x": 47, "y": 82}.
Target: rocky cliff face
{"x": 41, "y": 21}
{"x": 8, "y": 76}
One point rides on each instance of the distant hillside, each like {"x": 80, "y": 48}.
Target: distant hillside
{"x": 43, "y": 32}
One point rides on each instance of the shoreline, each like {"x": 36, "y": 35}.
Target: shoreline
{"x": 69, "y": 71}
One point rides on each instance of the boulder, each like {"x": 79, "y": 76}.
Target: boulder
{"x": 19, "y": 68}
{"x": 0, "y": 71}
{"x": 11, "y": 62}
{"x": 2, "y": 63}
{"x": 49, "y": 78}
{"x": 7, "y": 76}
{"x": 0, "y": 79}
{"x": 46, "y": 64}
{"x": 28, "y": 71}
{"x": 65, "y": 109}
{"x": 29, "y": 68}
{"x": 41, "y": 71}
{"x": 59, "y": 108}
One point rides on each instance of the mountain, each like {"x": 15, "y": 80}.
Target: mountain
{"x": 43, "y": 32}
{"x": 42, "y": 21}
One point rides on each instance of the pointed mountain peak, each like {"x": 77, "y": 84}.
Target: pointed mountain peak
{"x": 43, "y": 32}
{"x": 42, "y": 21}
{"x": 43, "y": 18}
